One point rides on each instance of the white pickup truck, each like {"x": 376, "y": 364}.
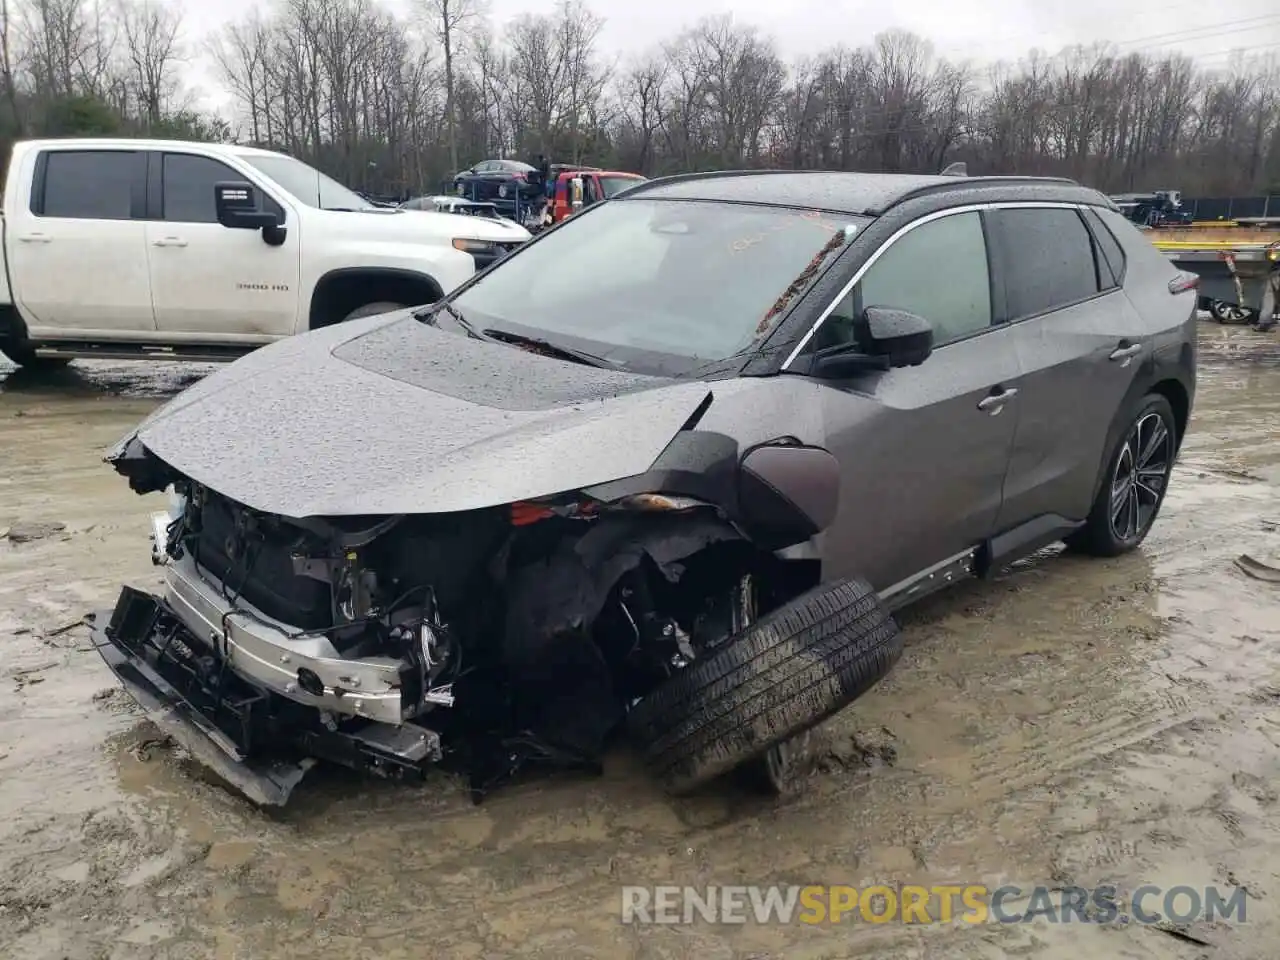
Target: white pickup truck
{"x": 174, "y": 250}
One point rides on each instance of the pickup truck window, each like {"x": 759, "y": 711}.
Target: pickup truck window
{"x": 307, "y": 184}
{"x": 188, "y": 187}
{"x": 89, "y": 184}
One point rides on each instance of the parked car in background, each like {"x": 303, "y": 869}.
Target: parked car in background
{"x": 683, "y": 497}
{"x": 442, "y": 203}
{"x": 508, "y": 183}
{"x": 170, "y": 249}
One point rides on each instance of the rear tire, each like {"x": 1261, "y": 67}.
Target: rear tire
{"x": 780, "y": 677}
{"x": 373, "y": 309}
{"x": 1134, "y": 483}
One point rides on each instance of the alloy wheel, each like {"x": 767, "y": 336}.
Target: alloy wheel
{"x": 1141, "y": 476}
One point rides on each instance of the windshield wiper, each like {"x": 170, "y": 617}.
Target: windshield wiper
{"x": 430, "y": 315}
{"x": 566, "y": 353}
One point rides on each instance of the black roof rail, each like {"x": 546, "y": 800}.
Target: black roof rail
{"x": 966, "y": 182}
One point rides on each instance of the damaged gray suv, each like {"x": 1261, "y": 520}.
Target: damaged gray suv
{"x": 668, "y": 470}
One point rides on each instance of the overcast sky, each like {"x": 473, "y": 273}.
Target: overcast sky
{"x": 979, "y": 30}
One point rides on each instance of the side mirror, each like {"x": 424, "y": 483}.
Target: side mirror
{"x": 884, "y": 338}
{"x": 905, "y": 338}
{"x": 237, "y": 207}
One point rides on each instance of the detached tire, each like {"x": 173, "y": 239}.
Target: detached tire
{"x": 782, "y": 675}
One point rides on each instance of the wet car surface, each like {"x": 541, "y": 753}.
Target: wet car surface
{"x": 1074, "y": 722}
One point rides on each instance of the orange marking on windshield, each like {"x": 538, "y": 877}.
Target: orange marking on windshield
{"x": 813, "y": 217}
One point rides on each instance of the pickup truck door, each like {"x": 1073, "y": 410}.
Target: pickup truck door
{"x": 76, "y": 244}
{"x": 209, "y": 282}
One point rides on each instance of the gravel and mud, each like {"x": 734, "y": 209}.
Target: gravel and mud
{"x": 1073, "y": 722}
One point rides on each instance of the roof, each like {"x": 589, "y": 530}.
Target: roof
{"x": 136, "y": 143}
{"x": 870, "y": 194}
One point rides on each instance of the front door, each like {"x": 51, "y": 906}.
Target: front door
{"x": 77, "y": 249}
{"x": 210, "y": 282}
{"x": 923, "y": 450}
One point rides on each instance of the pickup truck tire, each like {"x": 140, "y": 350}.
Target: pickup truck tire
{"x": 373, "y": 309}
{"x": 781, "y": 676}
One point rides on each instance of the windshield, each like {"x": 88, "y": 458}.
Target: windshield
{"x": 612, "y": 185}
{"x": 695, "y": 281}
{"x": 308, "y": 184}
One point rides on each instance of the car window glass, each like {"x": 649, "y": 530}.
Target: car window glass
{"x": 1048, "y": 259}
{"x": 937, "y": 270}
{"x": 188, "y": 187}
{"x": 90, "y": 184}
{"x": 1108, "y": 245}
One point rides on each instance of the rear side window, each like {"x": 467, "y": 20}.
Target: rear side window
{"x": 1108, "y": 246}
{"x": 90, "y": 184}
{"x": 1047, "y": 258}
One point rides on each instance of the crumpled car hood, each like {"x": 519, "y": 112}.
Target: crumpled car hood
{"x": 387, "y": 416}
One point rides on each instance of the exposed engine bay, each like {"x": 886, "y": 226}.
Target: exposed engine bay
{"x": 487, "y": 641}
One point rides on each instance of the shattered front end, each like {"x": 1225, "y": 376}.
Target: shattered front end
{"x": 498, "y": 638}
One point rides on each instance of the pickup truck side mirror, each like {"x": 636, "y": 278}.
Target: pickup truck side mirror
{"x": 237, "y": 207}
{"x": 884, "y": 338}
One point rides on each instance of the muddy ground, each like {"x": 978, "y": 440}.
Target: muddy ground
{"x": 1076, "y": 721}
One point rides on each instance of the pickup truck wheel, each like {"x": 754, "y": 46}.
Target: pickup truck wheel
{"x": 25, "y": 357}
{"x": 776, "y": 679}
{"x": 373, "y": 309}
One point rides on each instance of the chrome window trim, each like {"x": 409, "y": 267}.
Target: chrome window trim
{"x": 903, "y": 231}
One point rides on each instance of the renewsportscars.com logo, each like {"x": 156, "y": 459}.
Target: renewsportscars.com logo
{"x": 967, "y": 903}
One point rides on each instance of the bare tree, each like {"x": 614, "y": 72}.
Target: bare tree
{"x": 151, "y": 48}
{"x": 347, "y": 86}
{"x": 449, "y": 21}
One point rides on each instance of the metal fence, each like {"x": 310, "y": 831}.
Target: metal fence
{"x": 1231, "y": 208}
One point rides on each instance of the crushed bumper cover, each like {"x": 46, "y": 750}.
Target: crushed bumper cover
{"x": 257, "y": 741}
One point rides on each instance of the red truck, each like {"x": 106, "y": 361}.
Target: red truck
{"x": 578, "y": 187}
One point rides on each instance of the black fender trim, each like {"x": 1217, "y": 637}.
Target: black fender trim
{"x": 782, "y": 492}
{"x": 383, "y": 273}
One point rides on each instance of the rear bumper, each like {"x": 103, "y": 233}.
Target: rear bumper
{"x": 259, "y": 742}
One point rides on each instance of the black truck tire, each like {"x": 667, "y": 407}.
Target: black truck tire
{"x": 784, "y": 674}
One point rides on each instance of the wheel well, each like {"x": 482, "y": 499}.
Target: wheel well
{"x": 340, "y": 292}
{"x": 1176, "y": 394}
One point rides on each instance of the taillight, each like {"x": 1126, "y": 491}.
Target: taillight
{"x": 1183, "y": 282}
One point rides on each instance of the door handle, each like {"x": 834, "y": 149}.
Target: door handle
{"x": 994, "y": 403}
{"x": 1125, "y": 351}
{"x": 35, "y": 238}
{"x": 169, "y": 242}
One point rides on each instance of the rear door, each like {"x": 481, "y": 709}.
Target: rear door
{"x": 923, "y": 450}
{"x": 77, "y": 252}
{"x": 209, "y": 281}
{"x": 1079, "y": 345}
